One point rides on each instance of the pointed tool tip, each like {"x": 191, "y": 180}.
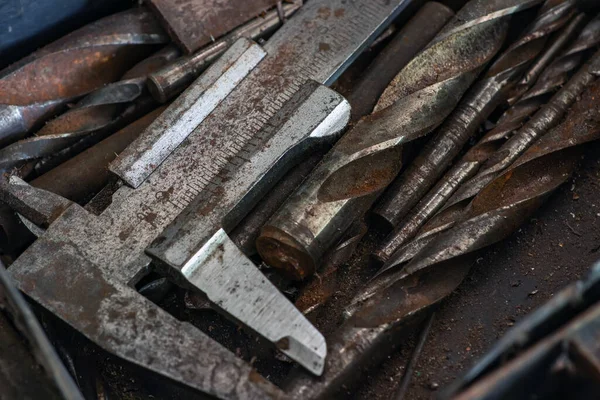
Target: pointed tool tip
{"x": 309, "y": 353}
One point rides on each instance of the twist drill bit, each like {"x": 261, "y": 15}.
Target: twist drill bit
{"x": 377, "y": 323}
{"x": 39, "y": 86}
{"x": 96, "y": 114}
{"x": 367, "y": 158}
{"x": 87, "y": 173}
{"x": 494, "y": 87}
{"x": 552, "y": 79}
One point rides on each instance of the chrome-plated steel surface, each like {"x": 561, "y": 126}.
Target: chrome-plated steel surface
{"x": 368, "y": 157}
{"x": 82, "y": 269}
{"x": 509, "y": 70}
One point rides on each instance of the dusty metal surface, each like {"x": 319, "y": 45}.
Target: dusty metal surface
{"x": 96, "y": 258}
{"x": 29, "y": 367}
{"x": 39, "y": 86}
{"x": 514, "y": 66}
{"x": 551, "y": 79}
{"x": 195, "y": 23}
{"x": 82, "y": 176}
{"x": 368, "y": 157}
{"x": 175, "y": 77}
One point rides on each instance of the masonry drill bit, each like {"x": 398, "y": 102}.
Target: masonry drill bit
{"x": 98, "y": 113}
{"x": 481, "y": 100}
{"x": 378, "y": 322}
{"x": 171, "y": 80}
{"x": 39, "y": 86}
{"x": 368, "y": 157}
{"x": 552, "y": 79}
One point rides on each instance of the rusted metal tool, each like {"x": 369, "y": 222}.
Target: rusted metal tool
{"x": 227, "y": 140}
{"x": 545, "y": 119}
{"x": 368, "y": 157}
{"x": 195, "y": 23}
{"x": 553, "y": 348}
{"x": 39, "y": 86}
{"x": 552, "y": 79}
{"x": 87, "y": 173}
{"x": 175, "y": 77}
{"x": 30, "y": 367}
{"x": 377, "y": 321}
{"x": 411, "y": 39}
{"x": 97, "y": 114}
{"x": 489, "y": 92}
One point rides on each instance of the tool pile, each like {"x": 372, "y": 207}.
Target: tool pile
{"x": 189, "y": 187}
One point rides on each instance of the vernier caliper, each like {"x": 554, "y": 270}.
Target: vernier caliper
{"x": 188, "y": 180}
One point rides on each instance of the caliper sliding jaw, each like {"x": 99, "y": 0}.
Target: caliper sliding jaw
{"x": 192, "y": 176}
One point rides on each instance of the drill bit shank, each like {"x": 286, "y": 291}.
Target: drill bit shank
{"x": 368, "y": 157}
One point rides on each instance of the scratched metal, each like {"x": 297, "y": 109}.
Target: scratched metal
{"x": 98, "y": 112}
{"x": 39, "y": 86}
{"x": 81, "y": 268}
{"x": 487, "y": 93}
{"x": 452, "y": 192}
{"x": 194, "y": 23}
{"x": 368, "y": 157}
{"x": 174, "y": 78}
{"x": 550, "y": 80}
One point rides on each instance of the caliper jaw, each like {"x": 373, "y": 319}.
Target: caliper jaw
{"x": 196, "y": 249}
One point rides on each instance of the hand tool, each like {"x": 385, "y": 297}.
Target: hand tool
{"x": 24, "y": 337}
{"x": 97, "y": 114}
{"x": 84, "y": 175}
{"x": 376, "y": 322}
{"x": 368, "y": 157}
{"x": 548, "y": 116}
{"x": 195, "y": 23}
{"x": 553, "y": 78}
{"x": 171, "y": 80}
{"x": 39, "y": 86}
{"x": 488, "y": 92}
{"x": 535, "y": 353}
{"x": 188, "y": 184}
{"x": 411, "y": 39}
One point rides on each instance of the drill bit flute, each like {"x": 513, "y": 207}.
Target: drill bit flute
{"x": 377, "y": 322}
{"x": 39, "y": 86}
{"x": 490, "y": 91}
{"x": 368, "y": 157}
{"x": 553, "y": 77}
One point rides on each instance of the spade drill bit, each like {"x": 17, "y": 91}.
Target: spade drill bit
{"x": 367, "y": 158}
{"x": 96, "y": 114}
{"x": 39, "y": 86}
{"x": 494, "y": 87}
{"x": 378, "y": 322}
{"x": 552, "y": 79}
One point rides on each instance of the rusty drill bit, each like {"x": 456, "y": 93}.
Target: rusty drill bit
{"x": 376, "y": 324}
{"x": 368, "y": 157}
{"x": 39, "y": 86}
{"x": 98, "y": 113}
{"x": 481, "y": 100}
{"x": 171, "y": 80}
{"x": 413, "y": 37}
{"x": 541, "y": 123}
{"x": 85, "y": 174}
{"x": 552, "y": 79}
